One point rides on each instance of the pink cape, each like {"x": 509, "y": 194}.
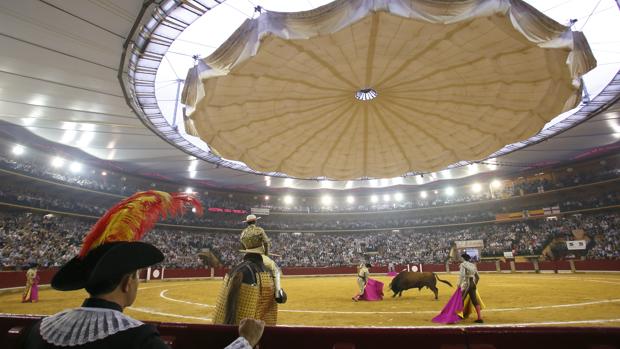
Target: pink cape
{"x": 449, "y": 312}
{"x": 373, "y": 291}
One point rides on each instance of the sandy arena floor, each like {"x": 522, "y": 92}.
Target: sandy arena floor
{"x": 511, "y": 299}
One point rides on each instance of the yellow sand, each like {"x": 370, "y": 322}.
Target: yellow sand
{"x": 554, "y": 299}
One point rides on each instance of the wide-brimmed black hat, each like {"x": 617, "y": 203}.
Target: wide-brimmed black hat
{"x": 111, "y": 249}
{"x": 465, "y": 256}
{"x": 106, "y": 262}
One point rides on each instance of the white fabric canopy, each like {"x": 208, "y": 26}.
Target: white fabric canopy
{"x": 454, "y": 81}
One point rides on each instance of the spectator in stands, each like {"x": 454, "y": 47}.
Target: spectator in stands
{"x": 107, "y": 267}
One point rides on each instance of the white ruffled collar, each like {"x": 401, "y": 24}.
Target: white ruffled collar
{"x": 84, "y": 325}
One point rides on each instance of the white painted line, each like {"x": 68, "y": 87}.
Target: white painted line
{"x": 463, "y": 325}
{"x": 556, "y": 305}
{"x": 150, "y": 311}
{"x": 162, "y": 294}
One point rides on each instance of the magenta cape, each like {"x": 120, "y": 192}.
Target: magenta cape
{"x": 449, "y": 313}
{"x": 373, "y": 291}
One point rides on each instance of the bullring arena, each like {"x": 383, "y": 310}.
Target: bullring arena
{"x": 194, "y": 173}
{"x": 582, "y": 299}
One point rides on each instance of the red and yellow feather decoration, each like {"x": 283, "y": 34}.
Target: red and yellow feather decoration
{"x": 133, "y": 217}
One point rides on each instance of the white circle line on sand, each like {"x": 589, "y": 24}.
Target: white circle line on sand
{"x": 468, "y": 325}
{"x": 154, "y": 312}
{"x": 162, "y": 294}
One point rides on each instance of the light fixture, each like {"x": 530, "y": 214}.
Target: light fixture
{"x": 266, "y": 197}
{"x": 18, "y": 150}
{"x": 75, "y": 167}
{"x": 419, "y": 179}
{"x": 386, "y": 197}
{"x": 398, "y": 197}
{"x": 449, "y": 191}
{"x": 104, "y": 173}
{"x": 423, "y": 194}
{"x": 57, "y": 161}
{"x": 326, "y": 200}
{"x": 476, "y": 187}
{"x": 350, "y": 199}
{"x": 496, "y": 184}
{"x": 189, "y": 190}
{"x": 288, "y": 199}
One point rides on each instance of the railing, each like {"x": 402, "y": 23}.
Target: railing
{"x": 14, "y": 328}
{"x": 10, "y": 279}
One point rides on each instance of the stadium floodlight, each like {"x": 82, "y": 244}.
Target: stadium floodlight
{"x": 75, "y": 167}
{"x": 398, "y": 197}
{"x": 472, "y": 169}
{"x": 327, "y": 184}
{"x": 288, "y": 199}
{"x": 419, "y": 179}
{"x": 18, "y": 149}
{"x": 104, "y": 173}
{"x": 57, "y": 161}
{"x": 496, "y": 184}
{"x": 423, "y": 194}
{"x": 386, "y": 197}
{"x": 492, "y": 164}
{"x": 449, "y": 191}
{"x": 350, "y": 199}
{"x": 476, "y": 187}
{"x": 374, "y": 198}
{"x": 189, "y": 190}
{"x": 326, "y": 200}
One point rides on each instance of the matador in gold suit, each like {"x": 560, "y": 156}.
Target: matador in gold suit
{"x": 252, "y": 288}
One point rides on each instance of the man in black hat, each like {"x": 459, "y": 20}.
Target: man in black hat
{"x": 108, "y": 267}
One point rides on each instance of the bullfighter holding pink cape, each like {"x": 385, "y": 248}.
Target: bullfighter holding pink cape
{"x": 465, "y": 297}
{"x": 369, "y": 289}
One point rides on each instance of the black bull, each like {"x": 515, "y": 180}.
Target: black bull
{"x": 407, "y": 279}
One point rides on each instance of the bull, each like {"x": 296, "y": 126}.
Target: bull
{"x": 406, "y": 280}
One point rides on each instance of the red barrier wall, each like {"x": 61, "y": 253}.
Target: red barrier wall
{"x": 604, "y": 265}
{"x": 554, "y": 265}
{"x": 185, "y": 336}
{"x": 18, "y": 278}
{"x": 504, "y": 266}
{"x": 435, "y": 268}
{"x": 487, "y": 266}
{"x": 524, "y": 266}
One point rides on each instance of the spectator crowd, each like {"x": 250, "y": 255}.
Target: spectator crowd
{"x": 51, "y": 240}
